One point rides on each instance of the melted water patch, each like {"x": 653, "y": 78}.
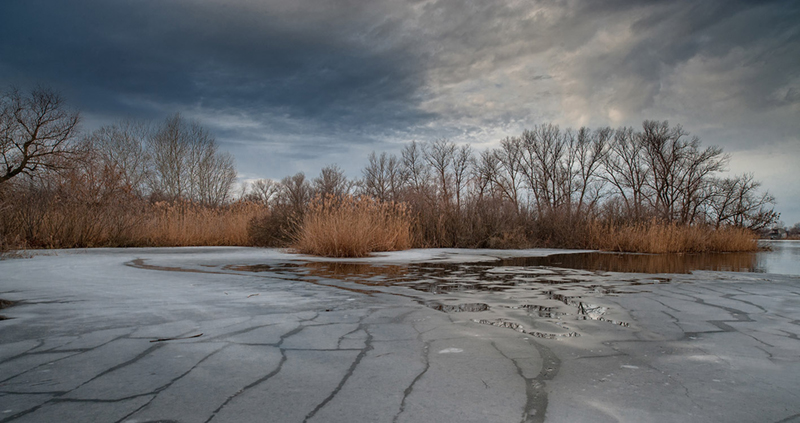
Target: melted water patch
{"x": 536, "y": 300}
{"x": 459, "y": 308}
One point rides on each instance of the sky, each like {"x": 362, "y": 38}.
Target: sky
{"x": 289, "y": 86}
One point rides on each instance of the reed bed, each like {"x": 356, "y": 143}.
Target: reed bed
{"x": 349, "y": 226}
{"x": 188, "y": 224}
{"x": 331, "y": 226}
{"x": 135, "y": 224}
{"x": 660, "y": 238}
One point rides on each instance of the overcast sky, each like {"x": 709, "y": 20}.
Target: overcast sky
{"x": 290, "y": 86}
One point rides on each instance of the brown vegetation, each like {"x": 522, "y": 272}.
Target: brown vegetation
{"x": 68, "y": 223}
{"x": 132, "y": 184}
{"x": 347, "y": 226}
{"x": 191, "y": 224}
{"x": 662, "y": 238}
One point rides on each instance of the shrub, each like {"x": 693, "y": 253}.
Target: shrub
{"x": 349, "y": 226}
{"x": 275, "y": 227}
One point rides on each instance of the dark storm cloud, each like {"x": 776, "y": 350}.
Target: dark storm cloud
{"x": 222, "y": 55}
{"x": 384, "y": 66}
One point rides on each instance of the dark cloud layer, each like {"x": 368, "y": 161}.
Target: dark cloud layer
{"x": 290, "y": 86}
{"x": 220, "y": 56}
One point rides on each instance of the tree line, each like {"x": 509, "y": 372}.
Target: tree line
{"x": 542, "y": 187}
{"x": 546, "y": 184}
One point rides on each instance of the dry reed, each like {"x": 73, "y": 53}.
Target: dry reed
{"x": 338, "y": 227}
{"x": 659, "y": 238}
{"x": 188, "y": 224}
{"x": 353, "y": 227}
{"x": 68, "y": 224}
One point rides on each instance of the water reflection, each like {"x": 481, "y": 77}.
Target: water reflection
{"x": 364, "y": 272}
{"x": 646, "y": 263}
{"x": 536, "y": 300}
{"x": 782, "y": 257}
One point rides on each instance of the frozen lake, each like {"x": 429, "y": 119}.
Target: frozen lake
{"x": 246, "y": 334}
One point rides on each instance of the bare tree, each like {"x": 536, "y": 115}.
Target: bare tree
{"x": 736, "y": 201}
{"x": 485, "y": 173}
{"x": 439, "y": 155}
{"x": 296, "y": 192}
{"x": 213, "y": 176}
{"x": 121, "y": 147}
{"x": 589, "y": 151}
{"x": 36, "y": 131}
{"x": 544, "y": 148}
{"x": 462, "y": 163}
{"x": 415, "y": 166}
{"x": 263, "y": 191}
{"x": 678, "y": 169}
{"x": 384, "y": 177}
{"x": 169, "y": 147}
{"x": 332, "y": 181}
{"x": 508, "y": 164}
{"x": 188, "y": 165}
{"x": 627, "y": 171}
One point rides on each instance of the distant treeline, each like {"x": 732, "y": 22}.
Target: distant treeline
{"x": 133, "y": 183}
{"x": 547, "y": 187}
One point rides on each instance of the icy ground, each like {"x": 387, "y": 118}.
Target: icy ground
{"x": 244, "y": 334}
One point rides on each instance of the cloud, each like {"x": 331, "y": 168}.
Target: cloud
{"x": 305, "y": 61}
{"x": 308, "y": 82}
{"x": 385, "y": 65}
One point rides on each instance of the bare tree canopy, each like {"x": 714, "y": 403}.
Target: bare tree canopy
{"x": 122, "y": 148}
{"x": 737, "y": 201}
{"x": 332, "y": 181}
{"x": 36, "y": 130}
{"x": 188, "y": 165}
{"x": 263, "y": 191}
{"x": 296, "y": 192}
{"x": 383, "y": 177}
{"x": 658, "y": 172}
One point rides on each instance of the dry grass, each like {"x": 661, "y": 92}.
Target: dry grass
{"x": 353, "y": 227}
{"x": 69, "y": 224}
{"x": 335, "y": 227}
{"x": 661, "y": 238}
{"x": 186, "y": 224}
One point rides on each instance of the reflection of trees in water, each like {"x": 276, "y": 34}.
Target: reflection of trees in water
{"x": 445, "y": 275}
{"x": 338, "y": 270}
{"x": 648, "y": 263}
{"x": 784, "y": 257}
{"x": 636, "y": 263}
